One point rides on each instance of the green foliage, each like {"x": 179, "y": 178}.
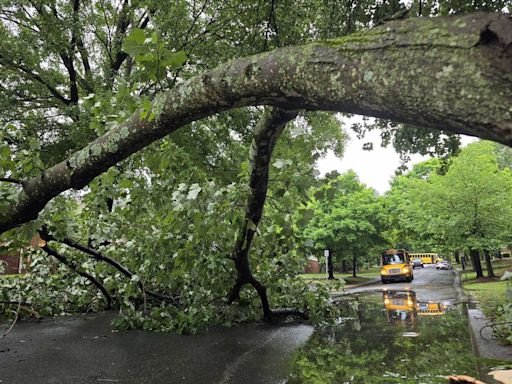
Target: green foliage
{"x": 151, "y": 55}
{"x": 50, "y": 289}
{"x": 467, "y": 206}
{"x": 344, "y": 216}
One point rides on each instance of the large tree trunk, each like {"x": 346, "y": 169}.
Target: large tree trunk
{"x": 266, "y": 135}
{"x": 475, "y": 260}
{"x": 488, "y": 263}
{"x": 444, "y": 73}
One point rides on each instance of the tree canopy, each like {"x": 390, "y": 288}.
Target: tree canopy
{"x": 330, "y": 75}
{"x": 143, "y": 140}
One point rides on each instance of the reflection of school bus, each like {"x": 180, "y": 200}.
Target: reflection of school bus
{"x": 431, "y": 309}
{"x": 395, "y": 265}
{"x": 400, "y": 305}
{"x": 426, "y": 258}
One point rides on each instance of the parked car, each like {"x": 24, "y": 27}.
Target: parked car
{"x": 417, "y": 263}
{"x": 443, "y": 264}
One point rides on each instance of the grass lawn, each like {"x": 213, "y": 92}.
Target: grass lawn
{"x": 13, "y": 276}
{"x": 349, "y": 279}
{"x": 491, "y": 293}
{"x": 486, "y": 287}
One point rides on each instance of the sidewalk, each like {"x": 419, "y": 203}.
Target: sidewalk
{"x": 486, "y": 346}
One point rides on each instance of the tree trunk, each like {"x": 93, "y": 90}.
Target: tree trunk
{"x": 457, "y": 257}
{"x": 330, "y": 268}
{"x": 354, "y": 265}
{"x": 475, "y": 260}
{"x": 266, "y": 135}
{"x": 412, "y": 71}
{"x": 488, "y": 263}
{"x": 343, "y": 266}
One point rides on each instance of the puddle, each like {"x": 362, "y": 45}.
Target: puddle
{"x": 394, "y": 336}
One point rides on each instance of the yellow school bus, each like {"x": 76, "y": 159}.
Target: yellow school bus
{"x": 400, "y": 305}
{"x": 395, "y": 266}
{"x": 431, "y": 309}
{"x": 426, "y": 258}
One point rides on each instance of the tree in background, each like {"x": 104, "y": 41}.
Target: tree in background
{"x": 472, "y": 203}
{"x": 347, "y": 218}
{"x": 468, "y": 207}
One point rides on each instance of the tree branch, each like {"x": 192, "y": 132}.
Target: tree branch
{"x": 114, "y": 263}
{"x": 372, "y": 73}
{"x": 36, "y": 77}
{"x": 10, "y": 180}
{"x": 75, "y": 269}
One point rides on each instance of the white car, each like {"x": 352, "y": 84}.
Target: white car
{"x": 443, "y": 264}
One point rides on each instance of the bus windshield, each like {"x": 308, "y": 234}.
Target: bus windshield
{"x": 393, "y": 259}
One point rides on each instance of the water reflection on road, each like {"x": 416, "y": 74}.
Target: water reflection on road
{"x": 391, "y": 336}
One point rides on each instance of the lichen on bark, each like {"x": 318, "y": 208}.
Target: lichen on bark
{"x": 398, "y": 71}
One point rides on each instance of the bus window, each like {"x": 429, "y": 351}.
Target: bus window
{"x": 393, "y": 259}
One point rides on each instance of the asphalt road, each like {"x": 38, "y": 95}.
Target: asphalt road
{"x": 85, "y": 350}
{"x": 429, "y": 284}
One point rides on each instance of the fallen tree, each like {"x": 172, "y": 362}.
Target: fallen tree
{"x": 450, "y": 73}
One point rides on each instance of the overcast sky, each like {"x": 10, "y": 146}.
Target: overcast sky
{"x": 376, "y": 167}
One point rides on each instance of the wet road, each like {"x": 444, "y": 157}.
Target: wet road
{"x": 429, "y": 284}
{"x": 85, "y": 350}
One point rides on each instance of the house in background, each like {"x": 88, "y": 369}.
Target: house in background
{"x": 313, "y": 265}
{"x": 18, "y": 262}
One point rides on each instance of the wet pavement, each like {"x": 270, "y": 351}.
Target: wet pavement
{"x": 85, "y": 350}
{"x": 415, "y": 332}
{"x": 411, "y": 333}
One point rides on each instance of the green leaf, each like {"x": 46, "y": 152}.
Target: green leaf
{"x": 175, "y": 60}
{"x": 148, "y": 57}
{"x": 193, "y": 192}
{"x": 133, "y": 48}
{"x": 137, "y": 35}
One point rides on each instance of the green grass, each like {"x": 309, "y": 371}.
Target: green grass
{"x": 349, "y": 279}
{"x": 498, "y": 266}
{"x": 490, "y": 293}
{"x": 12, "y": 276}
{"x": 486, "y": 288}
{"x": 489, "y": 288}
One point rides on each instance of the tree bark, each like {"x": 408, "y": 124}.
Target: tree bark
{"x": 329, "y": 267}
{"x": 451, "y": 73}
{"x": 265, "y": 137}
{"x": 354, "y": 265}
{"x": 475, "y": 260}
{"x": 488, "y": 263}
{"x": 457, "y": 258}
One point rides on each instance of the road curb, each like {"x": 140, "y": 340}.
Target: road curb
{"x": 462, "y": 296}
{"x": 362, "y": 284}
{"x": 484, "y": 344}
